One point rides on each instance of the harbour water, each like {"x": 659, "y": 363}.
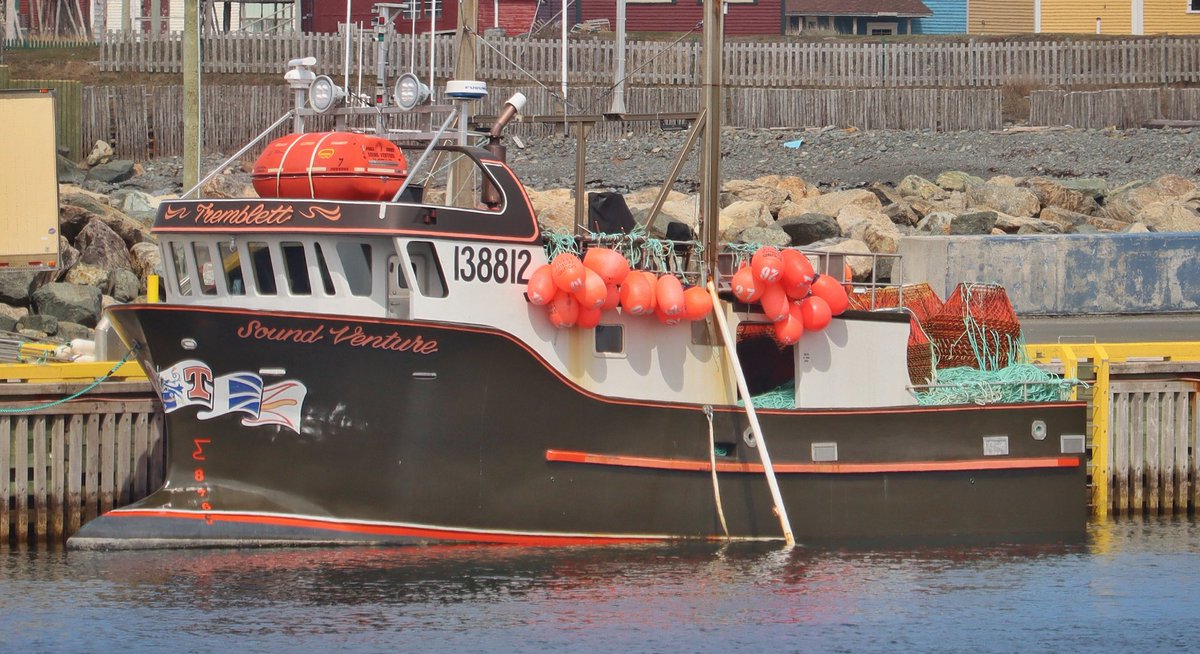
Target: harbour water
{"x": 1134, "y": 585}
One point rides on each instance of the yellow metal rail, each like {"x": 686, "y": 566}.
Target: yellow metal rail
{"x": 1102, "y": 356}
{"x": 69, "y": 372}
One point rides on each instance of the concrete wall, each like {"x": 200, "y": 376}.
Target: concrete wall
{"x": 1072, "y": 274}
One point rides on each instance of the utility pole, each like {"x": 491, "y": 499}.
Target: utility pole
{"x": 191, "y": 93}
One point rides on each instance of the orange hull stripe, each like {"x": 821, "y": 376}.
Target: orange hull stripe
{"x": 565, "y": 456}
{"x": 380, "y": 529}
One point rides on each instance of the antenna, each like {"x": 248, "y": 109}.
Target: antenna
{"x": 433, "y": 9}
{"x": 346, "y": 44}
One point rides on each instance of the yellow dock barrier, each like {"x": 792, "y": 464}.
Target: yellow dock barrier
{"x": 1102, "y": 357}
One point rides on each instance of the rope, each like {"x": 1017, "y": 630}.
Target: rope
{"x": 712, "y": 465}
{"x": 94, "y": 384}
{"x": 1017, "y": 383}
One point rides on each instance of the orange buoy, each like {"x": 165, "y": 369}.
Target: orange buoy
{"x": 797, "y": 269}
{"x": 668, "y": 293}
{"x": 789, "y": 330}
{"x": 666, "y": 319}
{"x": 609, "y": 264}
{"x": 594, "y": 290}
{"x": 815, "y": 313}
{"x": 697, "y": 303}
{"x": 588, "y": 318}
{"x": 637, "y": 295}
{"x": 774, "y": 303}
{"x": 745, "y": 287}
{"x": 541, "y": 289}
{"x": 612, "y": 297}
{"x": 827, "y": 288}
{"x": 563, "y": 310}
{"x": 797, "y": 292}
{"x": 568, "y": 272}
{"x": 767, "y": 264}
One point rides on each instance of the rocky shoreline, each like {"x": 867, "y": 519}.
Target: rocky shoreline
{"x": 835, "y": 190}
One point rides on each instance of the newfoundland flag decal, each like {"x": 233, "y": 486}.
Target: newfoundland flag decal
{"x": 191, "y": 382}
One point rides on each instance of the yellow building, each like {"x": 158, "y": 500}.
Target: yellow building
{"x": 1109, "y": 17}
{"x": 1000, "y": 16}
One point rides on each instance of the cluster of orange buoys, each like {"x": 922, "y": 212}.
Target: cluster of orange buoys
{"x": 790, "y": 292}
{"x": 577, "y": 292}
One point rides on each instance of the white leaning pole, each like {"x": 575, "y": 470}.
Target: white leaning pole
{"x": 731, "y": 351}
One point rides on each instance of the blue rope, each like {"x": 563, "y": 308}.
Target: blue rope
{"x": 87, "y": 388}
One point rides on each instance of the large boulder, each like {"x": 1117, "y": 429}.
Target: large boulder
{"x": 113, "y": 172}
{"x": 915, "y": 186}
{"x": 76, "y": 210}
{"x": 1124, "y": 204}
{"x": 742, "y": 215}
{"x": 146, "y": 259}
{"x": 139, "y": 205}
{"x": 13, "y": 313}
{"x": 125, "y": 286}
{"x": 740, "y": 189}
{"x": 978, "y": 222}
{"x": 955, "y": 180}
{"x": 555, "y": 209}
{"x": 809, "y": 228}
{"x": 860, "y": 266}
{"x": 936, "y": 223}
{"x": 1050, "y": 193}
{"x": 101, "y": 153}
{"x": 832, "y": 203}
{"x": 648, "y": 194}
{"x": 101, "y": 246}
{"x": 16, "y": 287}
{"x": 771, "y": 235}
{"x": 68, "y": 172}
{"x": 68, "y": 256}
{"x": 1068, "y": 221}
{"x": 1093, "y": 187}
{"x": 1169, "y": 216}
{"x": 87, "y": 274}
{"x": 43, "y": 323}
{"x": 1011, "y": 200}
{"x": 69, "y": 302}
{"x": 795, "y": 187}
{"x": 228, "y": 185}
{"x": 673, "y": 211}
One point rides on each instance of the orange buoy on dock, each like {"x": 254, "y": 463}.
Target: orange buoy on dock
{"x": 563, "y": 310}
{"x": 697, "y": 303}
{"x": 668, "y": 293}
{"x": 831, "y": 291}
{"x": 745, "y": 287}
{"x": 568, "y": 272}
{"x": 594, "y": 291}
{"x": 609, "y": 264}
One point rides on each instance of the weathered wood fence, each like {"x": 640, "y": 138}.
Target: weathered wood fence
{"x": 1155, "y": 449}
{"x": 1121, "y": 108}
{"x": 143, "y": 122}
{"x": 781, "y": 64}
{"x": 63, "y": 466}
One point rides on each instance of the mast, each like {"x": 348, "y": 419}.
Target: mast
{"x": 710, "y": 183}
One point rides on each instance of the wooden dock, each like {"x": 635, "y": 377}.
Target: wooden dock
{"x": 63, "y": 465}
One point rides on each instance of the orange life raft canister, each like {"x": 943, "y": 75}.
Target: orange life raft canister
{"x": 330, "y": 166}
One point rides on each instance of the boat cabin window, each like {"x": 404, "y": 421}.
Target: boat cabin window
{"x": 296, "y": 266}
{"x": 356, "y": 264}
{"x": 427, "y": 270}
{"x": 179, "y": 264}
{"x": 610, "y": 339}
{"x": 204, "y": 268}
{"x": 264, "y": 270}
{"x": 231, "y": 262}
{"x": 326, "y": 280}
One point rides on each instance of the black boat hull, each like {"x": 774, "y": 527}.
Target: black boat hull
{"x": 424, "y": 432}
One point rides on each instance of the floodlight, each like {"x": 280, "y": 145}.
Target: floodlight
{"x": 323, "y": 94}
{"x": 409, "y": 92}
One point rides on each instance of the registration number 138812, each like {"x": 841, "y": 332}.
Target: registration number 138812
{"x": 487, "y": 264}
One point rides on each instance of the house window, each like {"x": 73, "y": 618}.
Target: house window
{"x": 881, "y": 28}
{"x": 1193, "y": 5}
{"x": 651, "y": 2}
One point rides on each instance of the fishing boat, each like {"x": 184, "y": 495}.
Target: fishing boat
{"x": 358, "y": 358}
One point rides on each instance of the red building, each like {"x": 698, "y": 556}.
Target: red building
{"x": 515, "y": 16}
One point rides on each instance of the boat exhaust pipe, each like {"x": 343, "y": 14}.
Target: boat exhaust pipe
{"x": 512, "y": 106}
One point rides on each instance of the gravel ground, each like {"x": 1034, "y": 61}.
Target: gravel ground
{"x": 836, "y": 158}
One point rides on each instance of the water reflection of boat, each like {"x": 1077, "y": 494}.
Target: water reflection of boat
{"x": 364, "y": 370}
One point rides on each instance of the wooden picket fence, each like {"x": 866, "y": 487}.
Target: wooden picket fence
{"x": 1155, "y": 447}
{"x": 856, "y": 63}
{"x": 144, "y": 122}
{"x": 1122, "y": 108}
{"x": 65, "y": 465}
